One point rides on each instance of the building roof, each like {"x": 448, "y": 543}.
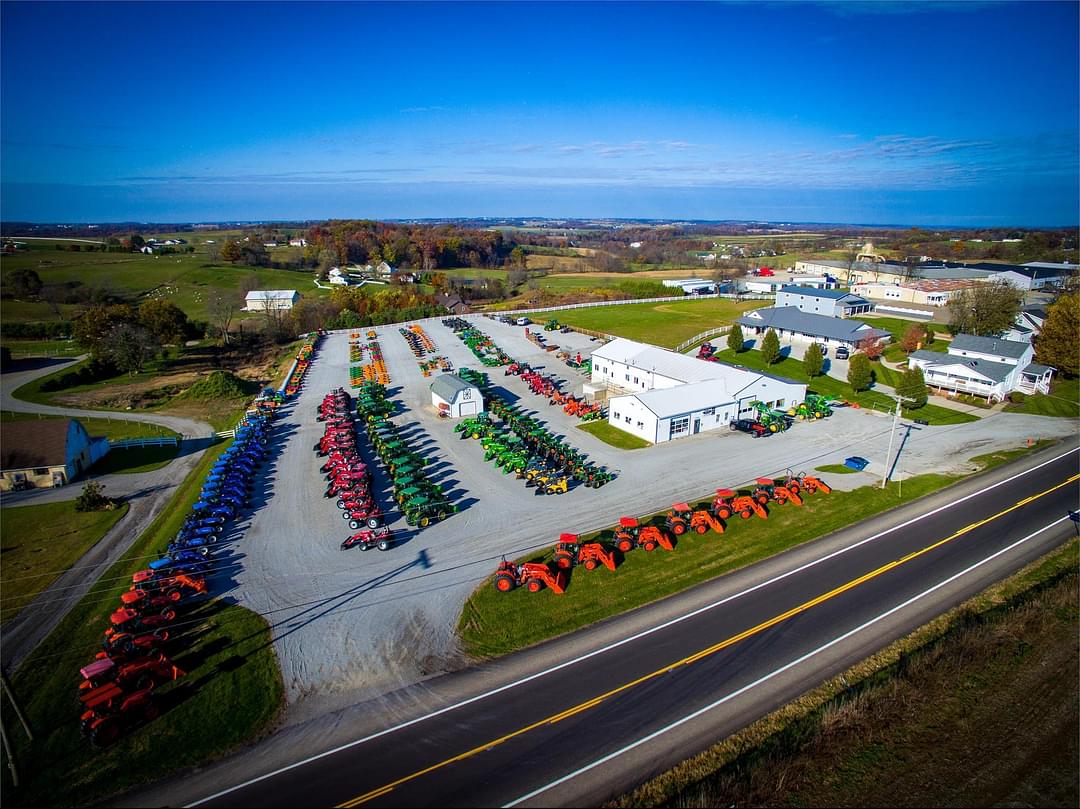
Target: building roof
{"x": 1051, "y": 265}
{"x": 790, "y": 318}
{"x": 989, "y": 345}
{"x": 448, "y": 386}
{"x": 1035, "y": 368}
{"x": 996, "y": 371}
{"x": 667, "y": 402}
{"x": 270, "y": 294}
{"x": 831, "y": 294}
{"x": 32, "y": 444}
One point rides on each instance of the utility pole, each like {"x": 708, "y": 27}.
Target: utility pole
{"x": 892, "y": 434}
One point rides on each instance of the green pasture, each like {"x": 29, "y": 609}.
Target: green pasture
{"x": 665, "y": 323}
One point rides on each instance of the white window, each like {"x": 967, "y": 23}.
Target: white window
{"x": 627, "y": 419}
{"x": 636, "y": 382}
{"x": 779, "y": 402}
{"x": 614, "y": 414}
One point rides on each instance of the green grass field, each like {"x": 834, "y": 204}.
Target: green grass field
{"x": 225, "y": 651}
{"x": 1063, "y": 401}
{"x": 614, "y": 436}
{"x": 494, "y": 623}
{"x": 664, "y": 324}
{"x": 35, "y": 556}
{"x": 132, "y": 460}
{"x": 42, "y": 348}
{"x": 827, "y": 385}
{"x": 836, "y": 469}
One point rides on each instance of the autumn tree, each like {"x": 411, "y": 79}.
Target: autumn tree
{"x": 813, "y": 360}
{"x": 166, "y": 321}
{"x": 770, "y": 347}
{"x": 1058, "y": 345}
{"x": 130, "y": 346}
{"x": 859, "y": 375}
{"x": 735, "y": 340}
{"x": 222, "y": 307}
{"x": 230, "y": 251}
{"x": 914, "y": 335}
{"x": 94, "y": 328}
{"x": 870, "y": 346}
{"x": 22, "y": 283}
{"x": 985, "y": 310}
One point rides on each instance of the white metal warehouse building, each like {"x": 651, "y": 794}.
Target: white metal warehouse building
{"x": 659, "y": 395}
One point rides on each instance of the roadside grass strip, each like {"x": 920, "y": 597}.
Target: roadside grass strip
{"x": 493, "y": 623}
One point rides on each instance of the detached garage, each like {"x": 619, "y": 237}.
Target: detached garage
{"x": 453, "y": 395}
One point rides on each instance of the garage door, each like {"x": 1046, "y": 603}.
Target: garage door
{"x": 467, "y": 409}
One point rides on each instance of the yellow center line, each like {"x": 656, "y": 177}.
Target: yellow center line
{"x": 711, "y": 650}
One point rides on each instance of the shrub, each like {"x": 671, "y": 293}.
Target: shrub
{"x": 1016, "y": 397}
{"x": 92, "y": 498}
{"x": 221, "y": 385}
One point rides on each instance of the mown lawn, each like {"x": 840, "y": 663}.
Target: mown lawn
{"x": 494, "y": 623}
{"x": 613, "y": 435}
{"x": 131, "y": 460}
{"x": 664, "y": 324}
{"x": 1062, "y": 401}
{"x": 224, "y": 649}
{"x": 836, "y": 469}
{"x": 39, "y": 543}
{"x": 829, "y": 386}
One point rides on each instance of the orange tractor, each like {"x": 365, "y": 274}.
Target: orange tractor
{"x": 570, "y": 552}
{"x": 533, "y": 576}
{"x": 631, "y": 534}
{"x": 728, "y": 502}
{"x": 768, "y": 489}
{"x": 807, "y": 483}
{"x": 682, "y": 518}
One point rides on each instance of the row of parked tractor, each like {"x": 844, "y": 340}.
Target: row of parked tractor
{"x": 118, "y": 688}
{"x": 349, "y": 478}
{"x": 521, "y": 444}
{"x": 631, "y": 534}
{"x": 482, "y": 346}
{"x": 550, "y": 388}
{"x": 303, "y": 361}
{"x": 419, "y": 343}
{"x": 372, "y": 371}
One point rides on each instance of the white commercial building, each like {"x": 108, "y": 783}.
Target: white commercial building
{"x": 659, "y": 395}
{"x": 260, "y": 300}
{"x": 691, "y": 286}
{"x": 456, "y": 397}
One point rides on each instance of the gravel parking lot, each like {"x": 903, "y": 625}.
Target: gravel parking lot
{"x": 351, "y": 625}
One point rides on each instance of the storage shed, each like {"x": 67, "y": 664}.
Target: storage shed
{"x": 453, "y": 395}
{"x": 45, "y": 453}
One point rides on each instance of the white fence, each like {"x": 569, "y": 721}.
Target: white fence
{"x": 156, "y": 441}
{"x": 592, "y": 304}
{"x": 697, "y": 338}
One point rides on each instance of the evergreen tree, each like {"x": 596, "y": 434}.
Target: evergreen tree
{"x": 813, "y": 360}
{"x": 770, "y": 347}
{"x": 859, "y": 375}
{"x": 735, "y": 340}
{"x": 913, "y": 385}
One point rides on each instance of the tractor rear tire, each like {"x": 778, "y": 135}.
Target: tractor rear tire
{"x": 372, "y": 522}
{"x": 354, "y": 524}
{"x": 384, "y": 544}
{"x": 341, "y": 504}
{"x": 425, "y": 522}
{"x": 762, "y": 499}
{"x": 564, "y": 561}
{"x": 105, "y": 733}
{"x": 169, "y": 614}
{"x": 590, "y": 564}
{"x": 701, "y": 529}
{"x": 723, "y": 513}
{"x": 745, "y": 514}
{"x": 678, "y": 528}
{"x": 344, "y": 515}
{"x": 534, "y": 585}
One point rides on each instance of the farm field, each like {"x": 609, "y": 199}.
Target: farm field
{"x": 665, "y": 324}
{"x": 184, "y": 279}
{"x": 35, "y": 557}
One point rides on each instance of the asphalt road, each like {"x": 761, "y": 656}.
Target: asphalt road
{"x": 587, "y": 717}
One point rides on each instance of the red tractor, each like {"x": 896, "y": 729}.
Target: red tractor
{"x": 174, "y": 587}
{"x": 369, "y": 538}
{"x": 706, "y": 351}
{"x": 372, "y": 517}
{"x": 109, "y": 711}
{"x": 570, "y": 552}
{"x": 631, "y": 534}
{"x": 533, "y": 576}
{"x": 121, "y": 646}
{"x": 131, "y": 622}
{"x": 135, "y": 675}
{"x": 729, "y": 502}
{"x": 682, "y": 518}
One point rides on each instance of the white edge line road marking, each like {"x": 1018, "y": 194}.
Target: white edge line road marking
{"x": 780, "y": 670}
{"x": 617, "y": 644}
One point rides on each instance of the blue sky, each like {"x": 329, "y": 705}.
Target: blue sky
{"x": 942, "y": 113}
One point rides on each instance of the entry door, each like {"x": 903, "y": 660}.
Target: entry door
{"x": 697, "y": 426}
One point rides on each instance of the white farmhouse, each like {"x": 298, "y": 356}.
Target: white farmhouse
{"x": 659, "y": 395}
{"x": 984, "y": 366}
{"x": 456, "y": 397}
{"x": 260, "y": 300}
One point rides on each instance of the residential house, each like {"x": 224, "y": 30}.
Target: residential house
{"x": 43, "y": 453}
{"x": 792, "y": 324}
{"x": 297, "y": 242}
{"x": 454, "y": 304}
{"x": 984, "y": 366}
{"x": 830, "y": 302}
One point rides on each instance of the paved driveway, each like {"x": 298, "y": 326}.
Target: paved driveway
{"x": 351, "y": 625}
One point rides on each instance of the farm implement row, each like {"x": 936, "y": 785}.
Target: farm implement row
{"x": 419, "y": 343}
{"x": 615, "y": 543}
{"x": 374, "y": 370}
{"x": 482, "y": 346}
{"x": 303, "y": 361}
{"x": 118, "y": 691}
{"x": 550, "y": 388}
{"x": 522, "y": 444}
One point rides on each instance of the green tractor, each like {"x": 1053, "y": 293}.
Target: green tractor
{"x": 422, "y": 510}
{"x": 552, "y": 325}
{"x": 773, "y": 420}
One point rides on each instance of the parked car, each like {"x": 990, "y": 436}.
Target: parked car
{"x": 754, "y": 428}
{"x": 522, "y": 321}
{"x": 842, "y": 352}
